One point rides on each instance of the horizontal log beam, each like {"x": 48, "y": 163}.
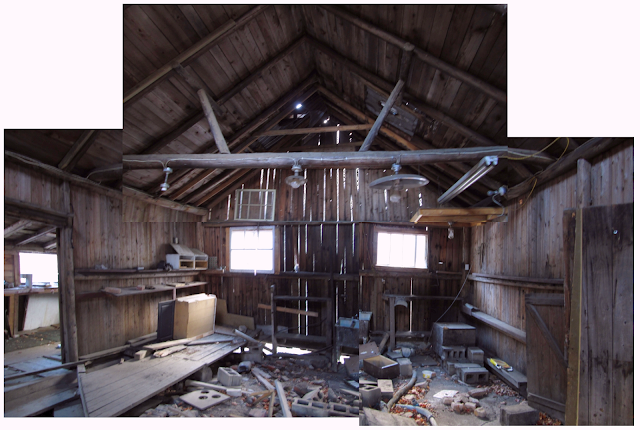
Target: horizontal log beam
{"x": 369, "y": 159}
{"x": 169, "y": 204}
{"x": 475, "y": 82}
{"x": 587, "y": 150}
{"x": 60, "y": 174}
{"x": 36, "y": 213}
{"x": 495, "y": 323}
{"x": 312, "y": 130}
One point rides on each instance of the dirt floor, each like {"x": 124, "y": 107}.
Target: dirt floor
{"x": 42, "y": 336}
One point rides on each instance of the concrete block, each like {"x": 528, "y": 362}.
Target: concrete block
{"x": 370, "y": 396}
{"x": 257, "y": 413}
{"x": 469, "y": 406}
{"x": 518, "y": 415}
{"x": 480, "y": 412}
{"x": 381, "y": 367}
{"x": 405, "y": 367}
{"x": 340, "y": 410}
{"x": 448, "y": 352}
{"x": 449, "y": 365}
{"x": 386, "y": 388}
{"x": 453, "y": 334}
{"x": 478, "y": 393}
{"x": 474, "y": 375}
{"x": 309, "y": 408}
{"x": 205, "y": 374}
{"x": 234, "y": 392}
{"x": 457, "y": 368}
{"x": 254, "y": 354}
{"x": 457, "y": 407}
{"x": 244, "y": 366}
{"x": 475, "y": 354}
{"x": 229, "y": 377}
{"x": 314, "y": 394}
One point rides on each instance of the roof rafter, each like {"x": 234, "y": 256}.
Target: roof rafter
{"x": 42, "y": 232}
{"x": 77, "y": 150}
{"x": 495, "y": 93}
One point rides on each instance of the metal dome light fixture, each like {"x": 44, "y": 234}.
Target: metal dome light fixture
{"x": 398, "y": 182}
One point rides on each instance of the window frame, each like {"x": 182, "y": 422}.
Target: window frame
{"x": 273, "y": 248}
{"x": 400, "y": 230}
{"x": 264, "y": 193}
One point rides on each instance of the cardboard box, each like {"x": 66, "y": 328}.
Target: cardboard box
{"x": 194, "y": 315}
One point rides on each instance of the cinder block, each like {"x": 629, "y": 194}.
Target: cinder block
{"x": 475, "y": 354}
{"x": 452, "y": 334}
{"x": 405, "y": 366}
{"x": 474, "y": 375}
{"x": 370, "y": 396}
{"x": 458, "y": 366}
{"x": 309, "y": 408}
{"x": 448, "y": 352}
{"x": 229, "y": 377}
{"x": 386, "y": 388}
{"x": 340, "y": 410}
{"x": 518, "y": 415}
{"x": 234, "y": 392}
{"x": 254, "y": 354}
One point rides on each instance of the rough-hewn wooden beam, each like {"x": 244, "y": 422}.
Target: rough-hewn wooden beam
{"x": 22, "y": 224}
{"x": 67, "y": 289}
{"x": 496, "y": 94}
{"x": 190, "y": 54}
{"x": 60, "y": 174}
{"x": 587, "y": 150}
{"x": 213, "y": 188}
{"x": 77, "y": 150}
{"x": 311, "y": 130}
{"x": 36, "y": 213}
{"x": 221, "y": 143}
{"x": 170, "y": 204}
{"x": 381, "y": 117}
{"x": 223, "y": 192}
{"x": 38, "y": 235}
{"x": 377, "y": 159}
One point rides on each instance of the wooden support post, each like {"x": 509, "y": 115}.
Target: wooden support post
{"x": 583, "y": 186}
{"x": 66, "y": 287}
{"x": 274, "y": 326}
{"x": 392, "y": 323}
{"x": 405, "y": 62}
{"x": 383, "y": 114}
{"x": 213, "y": 122}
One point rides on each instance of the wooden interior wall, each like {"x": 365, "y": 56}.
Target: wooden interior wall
{"x": 330, "y": 195}
{"x": 11, "y": 267}
{"x": 135, "y": 210}
{"x": 100, "y": 237}
{"x": 530, "y": 245}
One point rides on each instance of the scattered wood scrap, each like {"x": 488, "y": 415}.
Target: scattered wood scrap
{"x": 169, "y": 351}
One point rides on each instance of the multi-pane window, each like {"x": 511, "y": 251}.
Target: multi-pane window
{"x": 251, "y": 249}
{"x": 402, "y": 250}
{"x": 255, "y": 205}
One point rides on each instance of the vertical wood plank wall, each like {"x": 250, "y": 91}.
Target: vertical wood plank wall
{"x": 100, "y": 237}
{"x": 335, "y": 195}
{"x": 530, "y": 244}
{"x": 135, "y": 210}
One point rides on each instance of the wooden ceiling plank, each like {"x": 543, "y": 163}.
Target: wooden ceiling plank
{"x": 381, "y": 117}
{"x": 170, "y": 204}
{"x": 191, "y": 54}
{"x": 175, "y": 133}
{"x": 20, "y": 225}
{"x": 196, "y": 85}
{"x": 78, "y": 149}
{"x": 51, "y": 245}
{"x": 495, "y": 93}
{"x": 38, "y": 235}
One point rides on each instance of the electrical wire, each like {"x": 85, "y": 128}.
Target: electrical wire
{"x": 454, "y": 300}
{"x": 536, "y": 153}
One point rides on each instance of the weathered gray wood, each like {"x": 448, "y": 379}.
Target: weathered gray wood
{"x": 67, "y": 287}
{"x": 262, "y": 379}
{"x": 221, "y": 143}
{"x": 373, "y": 159}
{"x": 36, "y": 372}
{"x": 286, "y": 412}
{"x": 60, "y": 174}
{"x": 583, "y": 186}
{"x": 197, "y": 85}
{"x": 495, "y": 323}
{"x": 250, "y": 339}
{"x": 311, "y": 130}
{"x": 77, "y": 150}
{"x": 165, "y": 203}
{"x": 498, "y": 95}
{"x": 36, "y": 213}
{"x": 532, "y": 312}
{"x": 81, "y": 372}
{"x": 38, "y": 235}
{"x": 22, "y": 224}
{"x": 381, "y": 117}
{"x": 37, "y": 396}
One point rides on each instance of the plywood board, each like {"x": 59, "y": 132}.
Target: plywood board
{"x": 43, "y": 310}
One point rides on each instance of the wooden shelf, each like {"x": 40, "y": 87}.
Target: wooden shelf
{"x": 132, "y": 291}
{"x": 96, "y": 275}
{"x": 413, "y": 273}
{"x": 28, "y": 291}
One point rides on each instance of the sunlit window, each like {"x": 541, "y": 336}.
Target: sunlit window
{"x": 43, "y": 267}
{"x": 251, "y": 249}
{"x": 407, "y": 250}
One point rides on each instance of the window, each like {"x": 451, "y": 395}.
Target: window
{"x": 43, "y": 267}
{"x": 255, "y": 205}
{"x": 251, "y": 249}
{"x": 402, "y": 250}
